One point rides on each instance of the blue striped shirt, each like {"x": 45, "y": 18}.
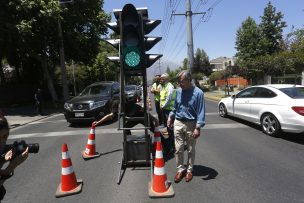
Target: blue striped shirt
{"x": 189, "y": 104}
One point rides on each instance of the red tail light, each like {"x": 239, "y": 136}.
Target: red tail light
{"x": 298, "y": 109}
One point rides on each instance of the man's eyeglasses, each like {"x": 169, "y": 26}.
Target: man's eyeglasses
{"x": 181, "y": 81}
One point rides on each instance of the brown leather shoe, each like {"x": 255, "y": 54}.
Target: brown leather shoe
{"x": 189, "y": 177}
{"x": 179, "y": 176}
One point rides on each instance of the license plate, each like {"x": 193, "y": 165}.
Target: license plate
{"x": 79, "y": 114}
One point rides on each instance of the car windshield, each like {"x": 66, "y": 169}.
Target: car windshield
{"x": 96, "y": 90}
{"x": 130, "y": 88}
{"x": 294, "y": 92}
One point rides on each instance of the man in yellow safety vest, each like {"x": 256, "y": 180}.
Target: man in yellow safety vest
{"x": 167, "y": 97}
{"x": 155, "y": 89}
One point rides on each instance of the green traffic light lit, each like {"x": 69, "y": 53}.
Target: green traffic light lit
{"x": 132, "y": 57}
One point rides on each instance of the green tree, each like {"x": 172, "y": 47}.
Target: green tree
{"x": 168, "y": 70}
{"x": 185, "y": 64}
{"x": 295, "y": 41}
{"x": 218, "y": 75}
{"x": 271, "y": 27}
{"x": 103, "y": 68}
{"x": 31, "y": 33}
{"x": 247, "y": 41}
{"x": 201, "y": 62}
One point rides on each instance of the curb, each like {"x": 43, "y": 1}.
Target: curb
{"x": 41, "y": 118}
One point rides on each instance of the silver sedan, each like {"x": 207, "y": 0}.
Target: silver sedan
{"x": 276, "y": 107}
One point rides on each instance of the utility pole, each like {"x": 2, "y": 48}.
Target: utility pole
{"x": 188, "y": 15}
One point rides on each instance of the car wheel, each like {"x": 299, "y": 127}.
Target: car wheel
{"x": 270, "y": 125}
{"x": 222, "y": 110}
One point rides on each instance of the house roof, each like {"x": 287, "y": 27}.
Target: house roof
{"x": 219, "y": 60}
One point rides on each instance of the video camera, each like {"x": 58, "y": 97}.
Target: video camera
{"x": 19, "y": 146}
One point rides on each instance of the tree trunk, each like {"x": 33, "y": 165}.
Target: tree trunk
{"x": 47, "y": 77}
{"x": 49, "y": 80}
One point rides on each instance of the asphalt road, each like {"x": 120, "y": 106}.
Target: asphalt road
{"x": 235, "y": 162}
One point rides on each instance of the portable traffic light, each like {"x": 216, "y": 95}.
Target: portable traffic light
{"x": 132, "y": 25}
{"x": 132, "y": 39}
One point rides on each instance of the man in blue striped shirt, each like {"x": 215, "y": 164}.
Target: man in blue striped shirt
{"x": 188, "y": 116}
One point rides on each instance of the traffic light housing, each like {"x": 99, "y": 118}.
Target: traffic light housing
{"x": 133, "y": 25}
{"x": 132, "y": 39}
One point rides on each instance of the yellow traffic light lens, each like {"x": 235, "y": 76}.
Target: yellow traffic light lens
{"x": 132, "y": 58}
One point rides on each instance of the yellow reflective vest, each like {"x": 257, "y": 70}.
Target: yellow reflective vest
{"x": 156, "y": 95}
{"x": 164, "y": 94}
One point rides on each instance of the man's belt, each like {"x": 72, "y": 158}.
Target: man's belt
{"x": 184, "y": 119}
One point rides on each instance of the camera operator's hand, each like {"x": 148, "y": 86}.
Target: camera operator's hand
{"x": 19, "y": 159}
{"x": 14, "y": 162}
{"x": 8, "y": 156}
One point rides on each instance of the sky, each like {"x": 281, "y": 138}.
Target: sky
{"x": 214, "y": 32}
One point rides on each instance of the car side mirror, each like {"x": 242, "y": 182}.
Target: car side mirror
{"x": 233, "y": 96}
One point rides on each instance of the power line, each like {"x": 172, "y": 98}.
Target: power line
{"x": 206, "y": 16}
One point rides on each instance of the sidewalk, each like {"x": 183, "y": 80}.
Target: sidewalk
{"x": 217, "y": 95}
{"x": 22, "y": 115}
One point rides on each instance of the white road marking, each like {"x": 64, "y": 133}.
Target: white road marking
{"x": 210, "y": 114}
{"x": 85, "y": 132}
{"x": 45, "y": 121}
{"x": 224, "y": 126}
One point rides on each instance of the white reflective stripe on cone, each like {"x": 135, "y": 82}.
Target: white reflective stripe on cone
{"x": 67, "y": 170}
{"x": 92, "y": 131}
{"x": 159, "y": 171}
{"x": 159, "y": 155}
{"x": 65, "y": 155}
{"x": 91, "y": 142}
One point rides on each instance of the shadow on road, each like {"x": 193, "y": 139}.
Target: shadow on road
{"x": 291, "y": 137}
{"x": 249, "y": 124}
{"x": 89, "y": 124}
{"x": 110, "y": 152}
{"x": 199, "y": 170}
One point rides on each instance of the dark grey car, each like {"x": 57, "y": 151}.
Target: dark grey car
{"x": 92, "y": 103}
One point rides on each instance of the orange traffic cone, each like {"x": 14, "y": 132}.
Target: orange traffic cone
{"x": 90, "y": 151}
{"x": 69, "y": 184}
{"x": 156, "y": 137}
{"x": 160, "y": 187}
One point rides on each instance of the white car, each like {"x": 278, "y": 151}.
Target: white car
{"x": 276, "y": 107}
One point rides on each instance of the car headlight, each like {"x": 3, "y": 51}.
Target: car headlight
{"x": 68, "y": 106}
{"x": 95, "y": 105}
